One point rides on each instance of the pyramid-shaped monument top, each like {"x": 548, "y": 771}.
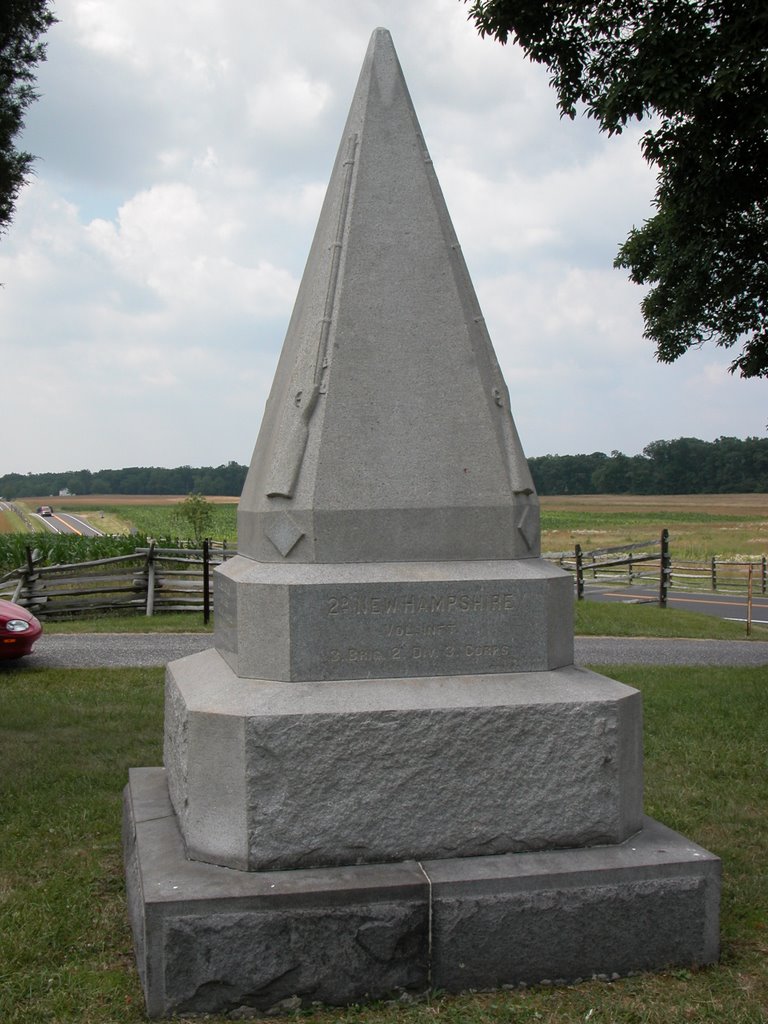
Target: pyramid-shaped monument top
{"x": 387, "y": 435}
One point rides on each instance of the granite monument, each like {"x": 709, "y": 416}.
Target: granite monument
{"x": 388, "y": 774}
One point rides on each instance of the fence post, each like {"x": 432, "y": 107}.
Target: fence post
{"x": 27, "y": 575}
{"x": 579, "y": 573}
{"x": 664, "y": 568}
{"x": 763, "y": 574}
{"x": 206, "y": 582}
{"x": 151, "y": 579}
{"x": 749, "y": 599}
{"x": 714, "y": 572}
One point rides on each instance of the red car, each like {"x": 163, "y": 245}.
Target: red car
{"x": 18, "y": 630}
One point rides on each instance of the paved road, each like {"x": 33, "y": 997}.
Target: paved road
{"x": 95, "y": 650}
{"x": 724, "y": 605}
{"x": 63, "y": 522}
{"x": 603, "y": 650}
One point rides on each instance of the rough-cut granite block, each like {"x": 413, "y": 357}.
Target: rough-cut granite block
{"x": 209, "y": 939}
{"x": 271, "y": 775}
{"x": 395, "y": 619}
{"x": 564, "y": 915}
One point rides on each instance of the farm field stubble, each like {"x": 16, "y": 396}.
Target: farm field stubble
{"x": 700, "y": 525}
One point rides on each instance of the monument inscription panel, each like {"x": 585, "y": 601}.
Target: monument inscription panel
{"x": 424, "y": 629}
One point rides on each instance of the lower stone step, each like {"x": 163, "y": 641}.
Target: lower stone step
{"x": 212, "y": 939}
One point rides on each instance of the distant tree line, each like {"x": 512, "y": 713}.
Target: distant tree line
{"x": 684, "y": 466}
{"x": 224, "y": 480}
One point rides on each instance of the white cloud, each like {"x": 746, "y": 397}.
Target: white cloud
{"x": 175, "y": 242}
{"x": 185, "y": 147}
{"x": 286, "y": 103}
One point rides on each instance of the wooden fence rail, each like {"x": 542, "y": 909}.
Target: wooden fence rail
{"x": 726, "y": 575}
{"x": 158, "y": 579}
{"x": 150, "y": 580}
{"x": 635, "y": 563}
{"x": 620, "y": 564}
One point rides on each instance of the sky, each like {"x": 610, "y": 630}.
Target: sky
{"x": 183, "y": 152}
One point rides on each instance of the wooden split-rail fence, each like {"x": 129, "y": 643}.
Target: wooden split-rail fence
{"x": 646, "y": 562}
{"x": 150, "y": 580}
{"x": 157, "y": 579}
{"x": 649, "y": 563}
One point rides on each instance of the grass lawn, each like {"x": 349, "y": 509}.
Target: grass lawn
{"x": 598, "y": 618}
{"x": 68, "y": 737}
{"x": 163, "y": 622}
{"x": 593, "y": 618}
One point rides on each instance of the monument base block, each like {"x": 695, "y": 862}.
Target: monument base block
{"x": 211, "y": 939}
{"x": 271, "y": 776}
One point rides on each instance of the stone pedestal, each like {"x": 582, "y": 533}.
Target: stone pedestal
{"x": 209, "y": 939}
{"x": 273, "y": 775}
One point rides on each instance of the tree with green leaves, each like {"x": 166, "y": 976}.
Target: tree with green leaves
{"x": 22, "y": 22}
{"x": 699, "y": 70}
{"x": 196, "y": 513}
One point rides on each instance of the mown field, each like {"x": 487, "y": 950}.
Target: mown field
{"x": 700, "y": 525}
